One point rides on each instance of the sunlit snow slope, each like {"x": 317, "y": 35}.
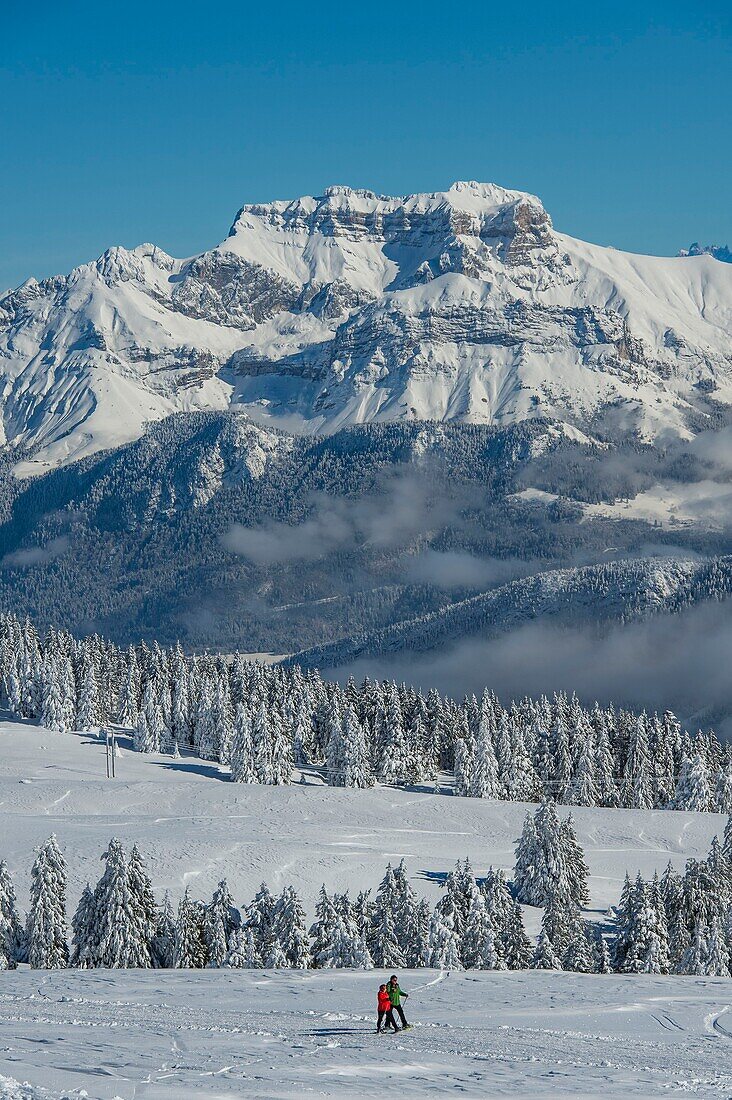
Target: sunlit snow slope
{"x": 352, "y": 307}
{"x": 175, "y": 1035}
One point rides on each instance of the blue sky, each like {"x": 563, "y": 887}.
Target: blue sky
{"x": 132, "y": 122}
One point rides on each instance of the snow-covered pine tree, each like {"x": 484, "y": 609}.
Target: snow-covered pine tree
{"x": 695, "y": 959}
{"x": 514, "y": 945}
{"x": 243, "y": 953}
{"x": 723, "y": 789}
{"x": 484, "y": 773}
{"x": 347, "y": 947}
{"x": 421, "y": 936}
{"x": 222, "y": 718}
{"x": 463, "y": 766}
{"x": 549, "y": 860}
{"x": 403, "y": 905}
{"x": 52, "y": 714}
{"x": 322, "y": 930}
{"x": 289, "y": 929}
{"x": 356, "y": 758}
{"x": 604, "y": 764}
{"x": 573, "y": 859}
{"x": 143, "y": 898}
{"x": 392, "y": 756}
{"x": 180, "y": 701}
{"x": 545, "y": 957}
{"x": 87, "y": 708}
{"x": 147, "y": 736}
{"x": 242, "y": 750}
{"x": 444, "y": 943}
{"x": 579, "y": 954}
{"x": 46, "y": 933}
{"x": 262, "y": 745}
{"x": 129, "y": 702}
{"x": 301, "y": 736}
{"x": 717, "y": 952}
{"x": 121, "y": 936}
{"x": 662, "y": 755}
{"x": 647, "y": 936}
{"x": 637, "y": 787}
{"x": 67, "y": 687}
{"x": 583, "y": 789}
{"x": 163, "y": 945}
{"x": 602, "y": 961}
{"x": 692, "y": 787}
{"x": 561, "y": 755}
{"x": 525, "y": 876}
{"x": 82, "y": 925}
{"x": 12, "y": 937}
{"x": 559, "y": 922}
{"x": 282, "y": 762}
{"x": 480, "y": 949}
{"x": 384, "y": 946}
{"x": 258, "y": 917}
{"x": 221, "y": 918}
{"x": 362, "y": 908}
{"x": 522, "y": 784}
{"x": 190, "y": 943}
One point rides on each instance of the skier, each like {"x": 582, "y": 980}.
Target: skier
{"x": 384, "y": 1011}
{"x": 395, "y": 996}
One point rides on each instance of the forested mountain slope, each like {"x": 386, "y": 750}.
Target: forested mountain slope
{"x": 217, "y": 531}
{"x": 601, "y": 594}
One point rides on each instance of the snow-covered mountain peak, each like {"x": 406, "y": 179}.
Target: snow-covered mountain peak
{"x": 344, "y": 211}
{"x": 375, "y": 243}
{"x": 350, "y": 306}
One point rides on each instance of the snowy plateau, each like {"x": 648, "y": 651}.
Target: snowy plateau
{"x": 177, "y": 1035}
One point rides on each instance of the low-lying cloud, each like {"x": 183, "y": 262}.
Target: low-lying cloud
{"x": 36, "y": 555}
{"x": 404, "y": 507}
{"x": 679, "y": 662}
{"x": 459, "y": 569}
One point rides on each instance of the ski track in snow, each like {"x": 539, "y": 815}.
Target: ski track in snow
{"x": 176, "y": 1035}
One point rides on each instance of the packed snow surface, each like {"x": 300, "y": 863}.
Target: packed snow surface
{"x": 177, "y": 1035}
{"x": 173, "y": 1035}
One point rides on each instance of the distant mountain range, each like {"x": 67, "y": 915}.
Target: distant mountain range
{"x": 718, "y": 251}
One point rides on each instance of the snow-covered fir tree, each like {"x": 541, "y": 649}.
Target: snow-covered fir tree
{"x": 289, "y": 930}
{"x": 122, "y": 929}
{"x": 83, "y": 927}
{"x": 46, "y": 932}
{"x": 12, "y": 936}
{"x": 221, "y": 920}
{"x": 189, "y": 952}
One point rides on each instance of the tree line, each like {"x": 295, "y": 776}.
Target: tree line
{"x": 676, "y": 923}
{"x": 267, "y": 724}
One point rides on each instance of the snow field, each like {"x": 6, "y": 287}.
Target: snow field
{"x": 175, "y": 1035}
{"x": 194, "y": 827}
{"x": 182, "y": 1035}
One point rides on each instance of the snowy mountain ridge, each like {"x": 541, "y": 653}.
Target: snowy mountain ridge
{"x": 351, "y": 308}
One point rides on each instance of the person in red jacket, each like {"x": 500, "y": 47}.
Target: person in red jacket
{"x": 384, "y": 1012}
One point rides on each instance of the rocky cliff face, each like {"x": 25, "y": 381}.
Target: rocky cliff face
{"x": 353, "y": 307}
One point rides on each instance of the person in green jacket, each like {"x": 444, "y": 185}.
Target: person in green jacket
{"x": 395, "y": 996}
